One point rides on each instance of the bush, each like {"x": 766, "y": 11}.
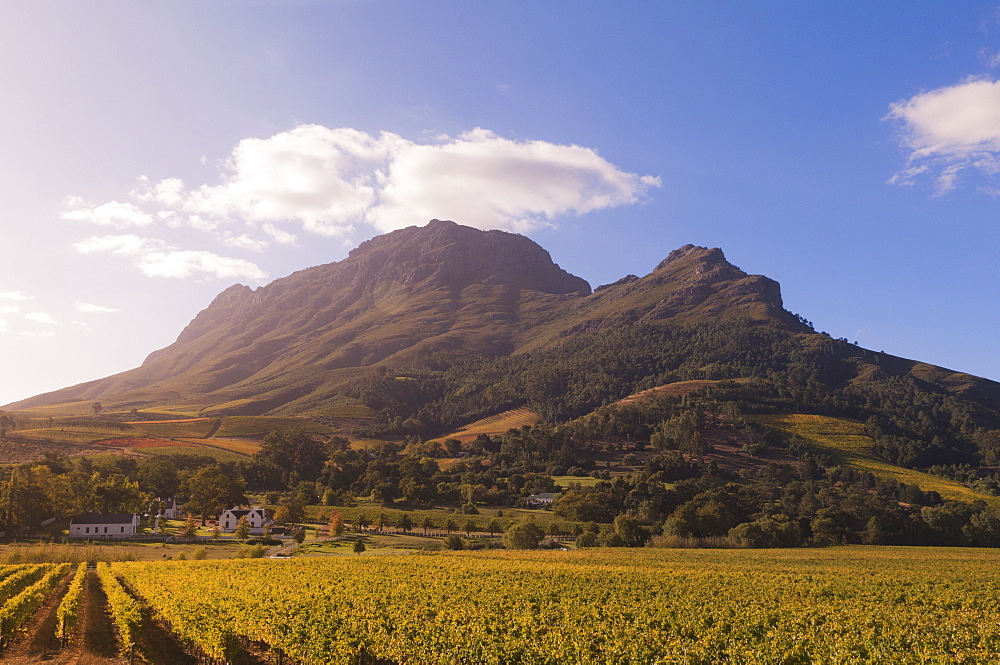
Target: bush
{"x": 587, "y": 539}
{"x": 523, "y": 536}
{"x": 454, "y": 542}
{"x": 767, "y": 531}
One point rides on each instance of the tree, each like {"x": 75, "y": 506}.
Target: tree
{"x": 523, "y": 536}
{"x": 242, "y": 529}
{"x": 380, "y": 522}
{"x": 336, "y": 526}
{"x": 469, "y": 527}
{"x": 210, "y": 490}
{"x": 157, "y": 475}
{"x": 631, "y": 533}
{"x": 493, "y": 527}
{"x": 266, "y": 534}
{"x": 454, "y": 542}
{"x": 405, "y": 523}
{"x": 216, "y": 531}
{"x": 359, "y": 546}
{"x": 21, "y": 503}
{"x": 427, "y": 523}
{"x": 96, "y": 408}
{"x": 190, "y": 529}
{"x": 362, "y": 523}
{"x": 450, "y": 526}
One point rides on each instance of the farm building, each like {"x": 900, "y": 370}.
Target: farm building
{"x": 256, "y": 519}
{"x": 542, "y": 499}
{"x": 171, "y": 509}
{"x": 96, "y": 525}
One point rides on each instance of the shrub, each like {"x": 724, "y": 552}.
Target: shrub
{"x": 454, "y": 542}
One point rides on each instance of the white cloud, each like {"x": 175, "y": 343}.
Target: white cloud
{"x": 9, "y": 309}
{"x": 279, "y": 236}
{"x": 113, "y": 213}
{"x": 127, "y": 245}
{"x": 243, "y": 242}
{"x": 331, "y": 180}
{"x": 948, "y": 131}
{"x": 41, "y": 333}
{"x": 39, "y": 317}
{"x": 4, "y": 326}
{"x": 15, "y": 295}
{"x": 89, "y": 308}
{"x": 486, "y": 181}
{"x": 157, "y": 258}
{"x": 189, "y": 263}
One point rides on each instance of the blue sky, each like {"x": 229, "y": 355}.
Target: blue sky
{"x": 155, "y": 153}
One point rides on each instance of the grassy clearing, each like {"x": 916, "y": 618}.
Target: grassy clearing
{"x": 845, "y": 442}
{"x": 261, "y": 425}
{"x": 583, "y": 481}
{"x": 439, "y": 517}
{"x": 496, "y": 424}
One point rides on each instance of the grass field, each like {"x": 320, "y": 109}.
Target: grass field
{"x": 506, "y": 516}
{"x": 845, "y": 442}
{"x": 189, "y": 429}
{"x": 75, "y": 435}
{"x": 583, "y": 481}
{"x": 239, "y": 446}
{"x": 496, "y": 424}
{"x": 837, "y": 605}
{"x": 182, "y": 448}
{"x": 261, "y": 425}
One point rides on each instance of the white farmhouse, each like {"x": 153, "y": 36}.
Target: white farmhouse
{"x": 171, "y": 509}
{"x": 256, "y": 519}
{"x": 96, "y": 525}
{"x": 542, "y": 499}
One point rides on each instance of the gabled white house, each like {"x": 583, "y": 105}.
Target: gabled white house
{"x": 96, "y": 525}
{"x": 171, "y": 509}
{"x": 256, "y": 519}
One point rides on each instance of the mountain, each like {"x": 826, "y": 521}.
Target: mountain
{"x": 438, "y": 323}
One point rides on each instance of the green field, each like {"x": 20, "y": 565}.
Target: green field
{"x": 195, "y": 449}
{"x": 261, "y": 425}
{"x": 837, "y": 605}
{"x": 74, "y": 434}
{"x": 582, "y": 481}
{"x": 197, "y": 429}
{"x": 845, "y": 442}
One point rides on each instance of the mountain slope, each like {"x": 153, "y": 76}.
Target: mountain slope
{"x": 471, "y": 309}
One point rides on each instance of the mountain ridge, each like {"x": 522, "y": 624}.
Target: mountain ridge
{"x": 402, "y": 298}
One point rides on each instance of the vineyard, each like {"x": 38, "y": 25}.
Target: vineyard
{"x": 852, "y": 604}
{"x": 845, "y": 442}
{"x": 495, "y": 424}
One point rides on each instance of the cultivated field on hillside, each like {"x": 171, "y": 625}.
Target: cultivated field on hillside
{"x": 495, "y": 424}
{"x": 845, "y": 442}
{"x": 898, "y": 605}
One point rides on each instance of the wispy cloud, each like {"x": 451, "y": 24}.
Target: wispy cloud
{"x": 113, "y": 213}
{"x": 157, "y": 258}
{"x": 15, "y": 295}
{"x": 40, "y": 317}
{"x": 9, "y": 309}
{"x": 948, "y": 132}
{"x": 89, "y": 308}
{"x": 37, "y": 333}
